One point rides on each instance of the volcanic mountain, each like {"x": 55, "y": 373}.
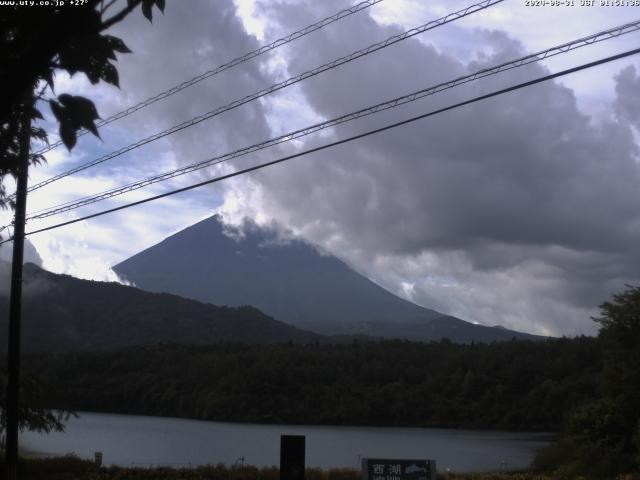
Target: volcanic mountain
{"x": 291, "y": 281}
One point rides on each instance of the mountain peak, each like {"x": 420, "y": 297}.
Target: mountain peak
{"x": 289, "y": 280}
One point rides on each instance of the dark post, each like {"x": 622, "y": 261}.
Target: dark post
{"x": 15, "y": 305}
{"x": 292, "y": 457}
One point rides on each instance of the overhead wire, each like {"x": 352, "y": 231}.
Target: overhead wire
{"x": 278, "y": 86}
{"x": 345, "y": 140}
{"x": 388, "y": 104}
{"x": 226, "y": 66}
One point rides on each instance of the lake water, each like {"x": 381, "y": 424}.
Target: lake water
{"x": 127, "y": 440}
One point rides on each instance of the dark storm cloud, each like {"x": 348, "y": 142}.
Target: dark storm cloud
{"x": 523, "y": 193}
{"x": 186, "y": 41}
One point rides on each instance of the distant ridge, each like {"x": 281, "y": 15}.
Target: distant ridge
{"x": 62, "y": 313}
{"x": 290, "y": 281}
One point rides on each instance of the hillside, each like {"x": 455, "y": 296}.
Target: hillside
{"x": 510, "y": 385}
{"x": 62, "y": 313}
{"x": 291, "y": 281}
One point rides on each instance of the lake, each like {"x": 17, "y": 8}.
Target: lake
{"x": 128, "y": 440}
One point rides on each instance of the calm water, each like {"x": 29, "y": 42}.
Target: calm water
{"x": 127, "y": 439}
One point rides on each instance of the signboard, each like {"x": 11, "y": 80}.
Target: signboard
{"x": 386, "y": 469}
{"x": 292, "y": 457}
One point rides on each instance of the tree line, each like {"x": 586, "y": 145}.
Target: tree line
{"x": 508, "y": 385}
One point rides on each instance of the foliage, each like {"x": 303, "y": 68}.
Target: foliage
{"x": 508, "y": 385}
{"x": 33, "y": 414}
{"x": 35, "y": 43}
{"x": 38, "y": 42}
{"x": 601, "y": 437}
{"x": 620, "y": 335}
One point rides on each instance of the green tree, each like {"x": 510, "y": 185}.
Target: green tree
{"x": 620, "y": 339}
{"x": 36, "y": 43}
{"x": 620, "y": 336}
{"x": 602, "y": 436}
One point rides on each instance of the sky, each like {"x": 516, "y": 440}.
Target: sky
{"x": 521, "y": 211}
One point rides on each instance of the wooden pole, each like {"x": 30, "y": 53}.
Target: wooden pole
{"x": 15, "y": 302}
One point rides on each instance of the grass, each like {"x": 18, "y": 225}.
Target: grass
{"x": 73, "y": 468}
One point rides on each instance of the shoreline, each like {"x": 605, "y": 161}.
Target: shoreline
{"x": 542, "y": 431}
{"x": 158, "y": 441}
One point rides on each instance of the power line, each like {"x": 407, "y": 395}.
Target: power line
{"x": 278, "y": 86}
{"x": 226, "y": 66}
{"x": 528, "y": 59}
{"x": 345, "y": 140}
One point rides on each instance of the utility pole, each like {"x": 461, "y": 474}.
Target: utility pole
{"x": 15, "y": 302}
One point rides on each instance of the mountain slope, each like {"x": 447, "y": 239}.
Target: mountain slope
{"x": 65, "y": 313}
{"x": 290, "y": 281}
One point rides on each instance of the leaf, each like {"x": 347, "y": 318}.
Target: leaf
{"x": 92, "y": 54}
{"x": 37, "y": 159}
{"x": 93, "y": 76}
{"x": 146, "y": 9}
{"x": 57, "y": 109}
{"x": 79, "y": 107}
{"x": 116, "y": 44}
{"x": 88, "y": 54}
{"x": 39, "y": 133}
{"x": 48, "y": 76}
{"x": 74, "y": 113}
{"x": 73, "y": 57}
{"x": 35, "y": 113}
{"x": 91, "y": 126}
{"x": 68, "y": 135}
{"x": 110, "y": 75}
{"x": 65, "y": 99}
{"x": 83, "y": 112}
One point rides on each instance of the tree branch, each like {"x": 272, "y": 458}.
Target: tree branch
{"x": 118, "y": 17}
{"x": 106, "y": 7}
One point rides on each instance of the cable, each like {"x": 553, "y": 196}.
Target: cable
{"x": 290, "y": 81}
{"x": 528, "y": 59}
{"x": 345, "y": 140}
{"x": 226, "y": 66}
{"x": 278, "y": 86}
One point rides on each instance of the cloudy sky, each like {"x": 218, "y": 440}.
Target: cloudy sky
{"x": 522, "y": 210}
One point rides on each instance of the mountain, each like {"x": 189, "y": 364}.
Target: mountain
{"x": 63, "y": 313}
{"x": 291, "y": 281}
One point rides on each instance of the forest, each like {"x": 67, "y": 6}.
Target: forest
{"x": 63, "y": 313}
{"x": 507, "y": 385}
{"x": 586, "y": 389}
